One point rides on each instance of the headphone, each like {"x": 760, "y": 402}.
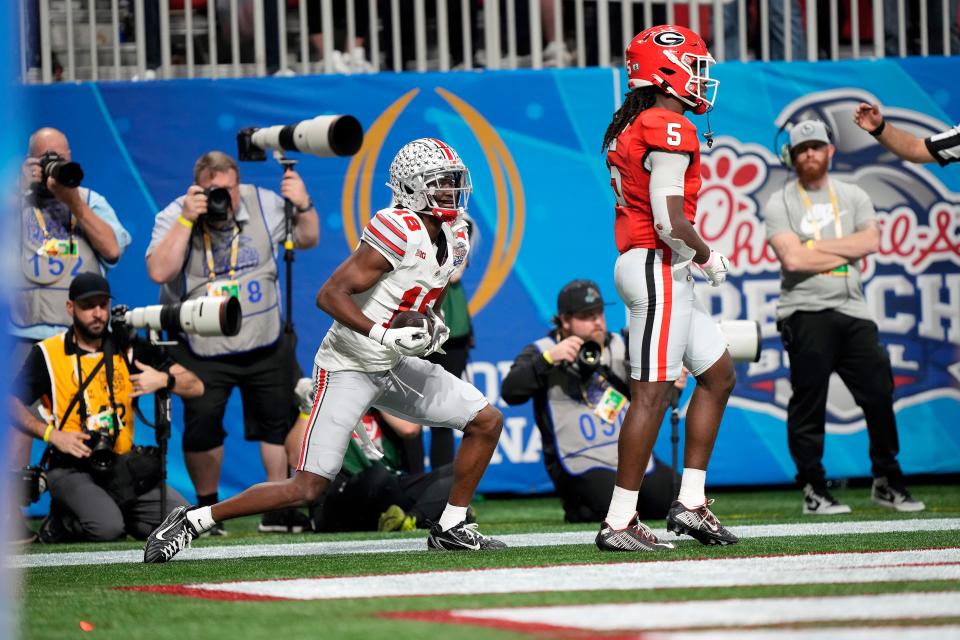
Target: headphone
{"x": 783, "y": 150}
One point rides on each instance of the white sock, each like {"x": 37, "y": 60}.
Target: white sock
{"x": 452, "y": 516}
{"x": 623, "y": 506}
{"x": 691, "y": 488}
{"x": 201, "y": 519}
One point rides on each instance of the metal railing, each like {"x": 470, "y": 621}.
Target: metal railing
{"x": 123, "y": 39}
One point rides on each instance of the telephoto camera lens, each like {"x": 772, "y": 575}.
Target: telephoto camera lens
{"x": 102, "y": 455}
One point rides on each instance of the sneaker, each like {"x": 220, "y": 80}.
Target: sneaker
{"x": 461, "y": 537}
{"x": 635, "y": 537}
{"x": 284, "y": 521}
{"x": 699, "y": 523}
{"x": 895, "y": 497}
{"x": 21, "y": 533}
{"x": 170, "y": 538}
{"x": 819, "y": 502}
{"x": 396, "y": 519}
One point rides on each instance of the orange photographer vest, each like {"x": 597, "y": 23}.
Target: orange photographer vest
{"x": 64, "y": 382}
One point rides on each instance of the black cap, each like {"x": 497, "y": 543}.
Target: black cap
{"x": 87, "y": 285}
{"x": 579, "y": 295}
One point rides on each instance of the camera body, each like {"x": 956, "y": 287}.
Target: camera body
{"x": 219, "y": 204}
{"x": 588, "y": 359}
{"x": 53, "y": 165}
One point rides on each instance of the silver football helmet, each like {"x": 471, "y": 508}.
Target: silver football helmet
{"x": 428, "y": 175}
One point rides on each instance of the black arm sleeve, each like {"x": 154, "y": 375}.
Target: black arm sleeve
{"x": 527, "y": 376}
{"x": 33, "y": 381}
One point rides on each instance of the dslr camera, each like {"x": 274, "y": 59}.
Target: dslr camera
{"x": 53, "y": 165}
{"x": 588, "y": 359}
{"x": 219, "y": 204}
{"x": 32, "y": 482}
{"x": 102, "y": 428}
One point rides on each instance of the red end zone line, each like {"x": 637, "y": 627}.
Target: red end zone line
{"x": 203, "y": 594}
{"x": 539, "y": 628}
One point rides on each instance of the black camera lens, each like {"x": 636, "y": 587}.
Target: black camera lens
{"x": 101, "y": 443}
{"x": 219, "y": 203}
{"x": 68, "y": 174}
{"x": 588, "y": 358}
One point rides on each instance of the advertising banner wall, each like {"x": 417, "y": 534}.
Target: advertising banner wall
{"x": 544, "y": 210}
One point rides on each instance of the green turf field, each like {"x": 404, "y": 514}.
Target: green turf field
{"x": 57, "y": 599}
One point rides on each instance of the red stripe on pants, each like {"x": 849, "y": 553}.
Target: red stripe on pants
{"x": 666, "y": 274}
{"x": 318, "y": 396}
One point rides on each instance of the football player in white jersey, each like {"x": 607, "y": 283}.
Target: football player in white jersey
{"x": 403, "y": 262}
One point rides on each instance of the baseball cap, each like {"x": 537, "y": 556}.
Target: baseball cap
{"x": 87, "y": 285}
{"x": 579, "y": 295}
{"x": 808, "y": 131}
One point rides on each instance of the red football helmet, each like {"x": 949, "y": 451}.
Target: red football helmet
{"x": 676, "y": 60}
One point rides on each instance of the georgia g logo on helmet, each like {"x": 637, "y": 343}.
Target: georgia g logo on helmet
{"x": 669, "y": 39}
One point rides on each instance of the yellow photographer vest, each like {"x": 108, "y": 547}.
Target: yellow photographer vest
{"x": 64, "y": 382}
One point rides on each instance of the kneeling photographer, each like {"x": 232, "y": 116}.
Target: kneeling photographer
{"x": 578, "y": 376}
{"x": 87, "y": 378}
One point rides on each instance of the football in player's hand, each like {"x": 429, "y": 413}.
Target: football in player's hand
{"x": 411, "y": 319}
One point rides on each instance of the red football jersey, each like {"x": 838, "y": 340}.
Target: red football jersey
{"x": 654, "y": 129}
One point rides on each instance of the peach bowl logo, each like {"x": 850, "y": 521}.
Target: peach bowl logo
{"x": 357, "y": 195}
{"x": 912, "y": 285}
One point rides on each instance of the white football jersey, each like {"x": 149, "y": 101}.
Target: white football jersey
{"x": 415, "y": 282}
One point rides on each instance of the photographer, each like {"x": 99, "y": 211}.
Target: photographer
{"x": 220, "y": 239}
{"x": 87, "y": 379}
{"x": 577, "y": 376}
{"x": 64, "y": 230}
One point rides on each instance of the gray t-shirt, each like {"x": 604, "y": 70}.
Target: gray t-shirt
{"x": 840, "y": 289}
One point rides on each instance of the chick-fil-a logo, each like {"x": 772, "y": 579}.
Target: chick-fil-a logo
{"x": 912, "y": 283}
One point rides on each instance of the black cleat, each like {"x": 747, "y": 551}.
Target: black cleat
{"x": 461, "y": 537}
{"x": 636, "y": 537}
{"x": 283, "y": 521}
{"x": 699, "y": 523}
{"x": 170, "y": 538}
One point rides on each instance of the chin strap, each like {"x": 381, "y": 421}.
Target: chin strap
{"x": 708, "y": 134}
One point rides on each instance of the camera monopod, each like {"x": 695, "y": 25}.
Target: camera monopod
{"x": 288, "y": 244}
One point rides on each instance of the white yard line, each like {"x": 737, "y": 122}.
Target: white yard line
{"x": 419, "y": 544}
{"x": 733, "y": 612}
{"x": 945, "y": 632}
{"x": 820, "y": 568}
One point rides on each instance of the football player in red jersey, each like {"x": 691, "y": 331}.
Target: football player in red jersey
{"x": 654, "y": 160}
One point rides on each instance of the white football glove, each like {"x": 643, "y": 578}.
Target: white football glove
{"x": 715, "y": 268}
{"x": 407, "y": 341}
{"x": 440, "y": 332}
{"x": 304, "y": 394}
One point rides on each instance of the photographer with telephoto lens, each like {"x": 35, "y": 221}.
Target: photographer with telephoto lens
{"x": 64, "y": 229}
{"x": 220, "y": 239}
{"x": 87, "y": 378}
{"x": 578, "y": 378}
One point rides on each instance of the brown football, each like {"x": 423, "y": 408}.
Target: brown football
{"x": 411, "y": 319}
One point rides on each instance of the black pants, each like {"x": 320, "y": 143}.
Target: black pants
{"x": 355, "y": 502}
{"x": 586, "y": 497}
{"x": 266, "y": 378}
{"x": 820, "y": 343}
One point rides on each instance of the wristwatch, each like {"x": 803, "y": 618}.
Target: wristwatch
{"x": 171, "y": 381}
{"x": 306, "y": 208}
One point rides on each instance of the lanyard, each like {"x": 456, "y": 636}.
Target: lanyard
{"x": 46, "y": 232}
{"x": 234, "y": 248}
{"x": 837, "y": 227}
